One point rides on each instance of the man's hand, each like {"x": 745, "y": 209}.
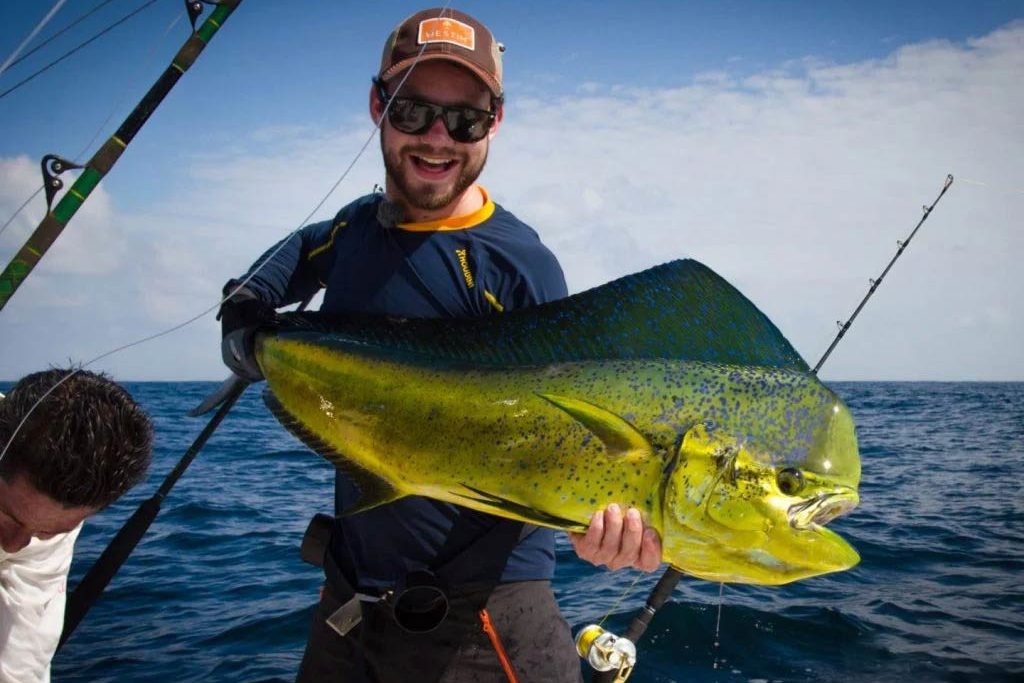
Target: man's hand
{"x": 240, "y": 316}
{"x": 616, "y": 541}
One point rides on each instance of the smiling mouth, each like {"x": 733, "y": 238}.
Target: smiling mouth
{"x": 432, "y": 164}
{"x": 821, "y": 509}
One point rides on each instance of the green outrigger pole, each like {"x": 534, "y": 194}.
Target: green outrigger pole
{"x": 100, "y": 164}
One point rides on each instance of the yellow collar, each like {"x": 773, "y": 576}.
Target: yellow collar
{"x": 470, "y": 220}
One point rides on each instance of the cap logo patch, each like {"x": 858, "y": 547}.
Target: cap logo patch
{"x": 447, "y": 31}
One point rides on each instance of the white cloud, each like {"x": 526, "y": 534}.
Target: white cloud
{"x": 794, "y": 184}
{"x": 91, "y": 244}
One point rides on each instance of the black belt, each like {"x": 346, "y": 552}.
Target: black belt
{"x": 420, "y": 600}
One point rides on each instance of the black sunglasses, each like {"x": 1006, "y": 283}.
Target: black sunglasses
{"x": 414, "y": 117}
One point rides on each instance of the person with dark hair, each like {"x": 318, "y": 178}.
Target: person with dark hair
{"x": 72, "y": 442}
{"x": 417, "y": 590}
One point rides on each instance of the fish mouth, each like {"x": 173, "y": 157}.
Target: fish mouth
{"x": 821, "y": 509}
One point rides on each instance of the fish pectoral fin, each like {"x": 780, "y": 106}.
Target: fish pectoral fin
{"x": 699, "y": 442}
{"x": 706, "y": 459}
{"x": 374, "y": 490}
{"x": 510, "y": 508}
{"x": 620, "y": 438}
{"x": 696, "y": 441}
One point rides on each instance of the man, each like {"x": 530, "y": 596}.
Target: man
{"x": 433, "y": 245}
{"x": 68, "y": 453}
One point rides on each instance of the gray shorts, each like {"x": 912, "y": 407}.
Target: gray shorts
{"x": 525, "y": 616}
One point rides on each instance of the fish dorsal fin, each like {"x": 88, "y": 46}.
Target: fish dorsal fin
{"x": 620, "y": 438}
{"x": 373, "y": 489}
{"x": 681, "y": 310}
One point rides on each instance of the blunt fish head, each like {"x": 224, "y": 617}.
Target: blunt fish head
{"x": 753, "y": 509}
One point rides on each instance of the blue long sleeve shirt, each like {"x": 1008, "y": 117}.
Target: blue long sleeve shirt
{"x": 467, "y": 266}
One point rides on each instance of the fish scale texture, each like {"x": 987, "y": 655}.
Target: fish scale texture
{"x": 667, "y": 391}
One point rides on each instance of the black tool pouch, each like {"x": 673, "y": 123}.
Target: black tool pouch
{"x": 420, "y": 601}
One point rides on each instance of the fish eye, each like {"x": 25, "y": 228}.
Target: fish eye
{"x": 790, "y": 480}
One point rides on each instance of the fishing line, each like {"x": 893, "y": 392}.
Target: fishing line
{"x": 629, "y": 589}
{"x": 20, "y": 209}
{"x": 146, "y": 61}
{"x": 58, "y": 34}
{"x": 35, "y": 405}
{"x": 28, "y": 39}
{"x": 718, "y": 626}
{"x": 671, "y": 577}
{"x": 117, "y": 552}
{"x": 971, "y": 181}
{"x": 376, "y": 129}
{"x": 57, "y": 217}
{"x": 74, "y": 50}
{"x": 244, "y": 281}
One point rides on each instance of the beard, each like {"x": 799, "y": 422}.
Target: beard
{"x": 413, "y": 193}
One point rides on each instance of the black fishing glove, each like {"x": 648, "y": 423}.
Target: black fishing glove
{"x": 240, "y": 316}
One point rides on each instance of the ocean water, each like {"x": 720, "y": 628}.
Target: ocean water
{"x": 216, "y": 590}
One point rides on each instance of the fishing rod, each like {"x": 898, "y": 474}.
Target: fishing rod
{"x": 123, "y": 544}
{"x": 902, "y": 244}
{"x": 95, "y": 581}
{"x": 88, "y": 145}
{"x": 612, "y": 659}
{"x": 56, "y": 219}
{"x": 127, "y": 539}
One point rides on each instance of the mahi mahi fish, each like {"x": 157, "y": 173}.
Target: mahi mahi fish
{"x": 666, "y": 390}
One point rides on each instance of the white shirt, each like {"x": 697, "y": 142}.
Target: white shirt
{"x": 33, "y": 591}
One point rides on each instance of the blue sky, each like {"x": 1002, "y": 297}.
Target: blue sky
{"x": 788, "y": 145}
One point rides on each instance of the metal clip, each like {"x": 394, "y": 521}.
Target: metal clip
{"x": 346, "y": 617}
{"x": 53, "y": 166}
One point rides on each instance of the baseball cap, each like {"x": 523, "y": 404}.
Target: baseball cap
{"x": 444, "y": 34}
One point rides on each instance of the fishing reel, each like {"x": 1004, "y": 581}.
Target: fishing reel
{"x": 605, "y": 651}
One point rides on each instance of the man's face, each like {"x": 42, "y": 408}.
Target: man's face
{"x": 26, "y": 512}
{"x": 428, "y": 173}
